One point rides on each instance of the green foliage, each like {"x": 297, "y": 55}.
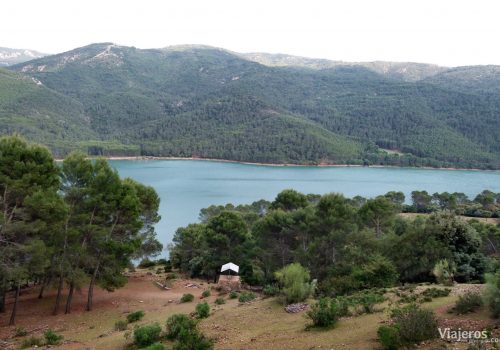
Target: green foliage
{"x": 146, "y": 263}
{"x": 414, "y": 324}
{"x": 147, "y": 335}
{"x": 220, "y": 301}
{"x": 444, "y": 271}
{"x": 325, "y": 312}
{"x": 246, "y": 297}
{"x": 193, "y": 340}
{"x": 295, "y": 283}
{"x": 187, "y": 298}
{"x": 205, "y": 294}
{"x": 121, "y": 325}
{"x": 177, "y": 324}
{"x": 156, "y": 346}
{"x": 20, "y": 332}
{"x": 32, "y": 342}
{"x": 389, "y": 337}
{"x": 271, "y": 290}
{"x": 492, "y": 293}
{"x": 366, "y": 300}
{"x": 202, "y": 310}
{"x": 468, "y": 302}
{"x": 436, "y": 292}
{"x": 52, "y": 338}
{"x": 135, "y": 316}
{"x": 233, "y": 295}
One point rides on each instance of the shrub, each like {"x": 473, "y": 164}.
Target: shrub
{"x": 205, "y": 294}
{"x": 121, "y": 325}
{"x": 52, "y": 338}
{"x": 492, "y": 293}
{"x": 178, "y": 323}
{"x": 202, "y": 310}
{"x": 147, "y": 335}
{"x": 171, "y": 276}
{"x": 246, "y": 297}
{"x": 187, "y": 298}
{"x": 367, "y": 300}
{"x": 31, "y": 342}
{"x": 159, "y": 271}
{"x": 271, "y": 290}
{"x": 156, "y": 346}
{"x": 135, "y": 316}
{"x": 415, "y": 324}
{"x": 220, "y": 301}
{"x": 444, "y": 272}
{"x": 193, "y": 340}
{"x": 325, "y": 313}
{"x": 389, "y": 337}
{"x": 162, "y": 261}
{"x": 469, "y": 302}
{"x": 294, "y": 282}
{"x": 436, "y": 292}
{"x": 378, "y": 272}
{"x": 20, "y": 332}
{"x": 233, "y": 295}
{"x": 146, "y": 263}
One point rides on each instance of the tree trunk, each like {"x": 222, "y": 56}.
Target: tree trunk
{"x": 14, "y": 309}
{"x": 90, "y": 294}
{"x": 42, "y": 288}
{"x": 58, "y": 297}
{"x": 2, "y": 300}
{"x": 70, "y": 298}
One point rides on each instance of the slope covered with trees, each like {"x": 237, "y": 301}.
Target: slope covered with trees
{"x": 203, "y": 101}
{"x": 77, "y": 225}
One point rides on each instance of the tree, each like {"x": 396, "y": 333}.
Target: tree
{"x": 295, "y": 283}
{"x": 289, "y": 200}
{"x": 378, "y": 213}
{"x": 421, "y": 201}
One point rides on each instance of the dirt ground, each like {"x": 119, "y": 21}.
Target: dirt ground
{"x": 260, "y": 325}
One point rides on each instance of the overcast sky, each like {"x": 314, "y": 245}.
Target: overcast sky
{"x": 445, "y": 32}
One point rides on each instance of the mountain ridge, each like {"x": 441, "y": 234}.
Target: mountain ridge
{"x": 196, "y": 100}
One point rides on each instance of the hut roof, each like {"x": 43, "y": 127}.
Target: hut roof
{"x": 230, "y": 266}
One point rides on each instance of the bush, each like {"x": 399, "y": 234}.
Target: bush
{"x": 220, "y": 301}
{"x": 171, "y": 276}
{"x": 193, "y": 340}
{"x": 294, "y": 282}
{"x": 187, "y": 298}
{"x": 202, "y": 310}
{"x": 147, "y": 335}
{"x": 135, "y": 316}
{"x": 325, "y": 313}
{"x": 469, "y": 302}
{"x": 444, "y": 272}
{"x": 146, "y": 263}
{"x": 205, "y": 294}
{"x": 52, "y": 338}
{"x": 156, "y": 346}
{"x": 233, "y": 295}
{"x": 367, "y": 300}
{"x": 389, "y": 337}
{"x": 178, "y": 323}
{"x": 492, "y": 293}
{"x": 414, "y": 324}
{"x": 436, "y": 292}
{"x": 121, "y": 325}
{"x": 20, "y": 332}
{"x": 246, "y": 297}
{"x": 162, "y": 261}
{"x": 271, "y": 290}
{"x": 377, "y": 273}
{"x": 31, "y": 342}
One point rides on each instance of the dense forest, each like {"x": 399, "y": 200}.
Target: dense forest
{"x": 76, "y": 225}
{"x": 347, "y": 244}
{"x": 105, "y": 99}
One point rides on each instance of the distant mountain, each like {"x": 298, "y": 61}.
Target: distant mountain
{"x": 406, "y": 71}
{"x": 9, "y": 57}
{"x": 474, "y": 79}
{"x": 209, "y": 102}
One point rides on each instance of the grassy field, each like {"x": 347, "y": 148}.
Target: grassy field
{"x": 261, "y": 324}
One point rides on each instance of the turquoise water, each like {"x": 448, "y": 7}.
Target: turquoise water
{"x": 187, "y": 186}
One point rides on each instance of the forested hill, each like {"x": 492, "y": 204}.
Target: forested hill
{"x": 209, "y": 102}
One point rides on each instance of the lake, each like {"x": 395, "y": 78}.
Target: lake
{"x": 186, "y": 186}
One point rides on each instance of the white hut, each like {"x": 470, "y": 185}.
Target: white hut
{"x": 229, "y": 279}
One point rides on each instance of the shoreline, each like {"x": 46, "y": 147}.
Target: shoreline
{"x": 320, "y": 165}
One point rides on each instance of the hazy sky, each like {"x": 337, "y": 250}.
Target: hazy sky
{"x": 446, "y": 32}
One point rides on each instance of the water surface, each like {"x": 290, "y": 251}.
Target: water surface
{"x": 186, "y": 186}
